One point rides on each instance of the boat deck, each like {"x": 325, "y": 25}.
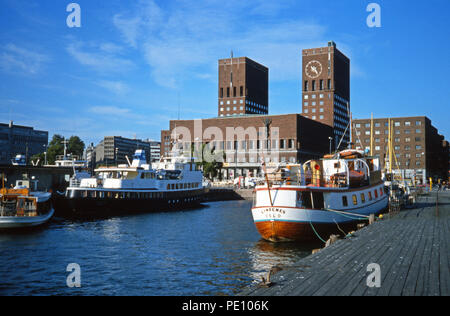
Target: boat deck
{"x": 411, "y": 248}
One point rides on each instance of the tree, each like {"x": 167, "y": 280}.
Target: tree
{"x": 55, "y": 148}
{"x": 75, "y": 146}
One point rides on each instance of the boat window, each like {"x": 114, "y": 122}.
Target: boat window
{"x": 168, "y": 187}
{"x": 355, "y": 199}
{"x": 344, "y": 201}
{"x": 376, "y": 194}
{"x": 381, "y": 191}
{"x": 370, "y": 196}
{"x": 142, "y": 175}
{"x": 363, "y": 198}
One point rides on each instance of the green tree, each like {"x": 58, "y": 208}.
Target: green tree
{"x": 55, "y": 148}
{"x": 75, "y": 146}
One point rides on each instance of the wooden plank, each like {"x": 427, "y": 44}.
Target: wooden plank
{"x": 396, "y": 272}
{"x": 388, "y": 242}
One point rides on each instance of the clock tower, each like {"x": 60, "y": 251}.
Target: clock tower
{"x": 326, "y": 90}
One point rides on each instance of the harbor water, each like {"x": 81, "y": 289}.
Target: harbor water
{"x": 212, "y": 250}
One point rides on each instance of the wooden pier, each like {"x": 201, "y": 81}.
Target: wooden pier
{"x": 411, "y": 249}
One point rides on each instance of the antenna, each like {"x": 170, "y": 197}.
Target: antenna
{"x": 178, "y": 106}
{"x": 231, "y": 74}
{"x": 65, "y": 142}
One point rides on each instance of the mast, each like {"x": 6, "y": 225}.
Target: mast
{"x": 390, "y": 146}
{"x": 371, "y": 134}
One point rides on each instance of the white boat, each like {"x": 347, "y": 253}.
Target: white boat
{"x": 19, "y": 160}
{"x": 171, "y": 183}
{"x": 319, "y": 198}
{"x": 20, "y": 207}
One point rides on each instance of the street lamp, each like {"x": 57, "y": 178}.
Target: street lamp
{"x": 330, "y": 138}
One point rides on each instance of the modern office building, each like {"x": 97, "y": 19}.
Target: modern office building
{"x": 418, "y": 148}
{"x": 114, "y": 149}
{"x": 24, "y": 140}
{"x": 326, "y": 90}
{"x": 243, "y": 87}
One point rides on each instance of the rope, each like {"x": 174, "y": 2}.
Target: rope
{"x": 315, "y": 232}
{"x": 346, "y": 214}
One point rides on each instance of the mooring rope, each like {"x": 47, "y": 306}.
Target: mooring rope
{"x": 347, "y": 214}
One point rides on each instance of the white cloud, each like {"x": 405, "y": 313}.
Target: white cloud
{"x": 117, "y": 87}
{"x": 99, "y": 57}
{"x": 182, "y": 40}
{"x": 110, "y": 110}
{"x": 21, "y": 60}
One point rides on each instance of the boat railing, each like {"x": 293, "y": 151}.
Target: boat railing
{"x": 18, "y": 206}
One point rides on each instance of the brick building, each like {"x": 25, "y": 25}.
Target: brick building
{"x": 241, "y": 142}
{"x": 243, "y": 87}
{"x": 418, "y": 147}
{"x": 326, "y": 90}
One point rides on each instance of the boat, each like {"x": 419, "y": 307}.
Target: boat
{"x": 321, "y": 197}
{"x": 19, "y": 160}
{"x": 20, "y": 207}
{"x": 171, "y": 183}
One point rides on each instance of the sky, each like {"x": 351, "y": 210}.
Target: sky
{"x": 132, "y": 66}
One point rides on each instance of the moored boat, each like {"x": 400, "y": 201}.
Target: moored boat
{"x": 310, "y": 201}
{"x": 20, "y": 207}
{"x": 171, "y": 183}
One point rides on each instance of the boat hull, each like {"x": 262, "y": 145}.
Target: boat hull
{"x": 299, "y": 224}
{"x": 14, "y": 222}
{"x": 104, "y": 207}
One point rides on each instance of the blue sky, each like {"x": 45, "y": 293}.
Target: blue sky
{"x": 131, "y": 63}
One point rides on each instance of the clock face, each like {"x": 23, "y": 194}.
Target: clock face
{"x": 313, "y": 69}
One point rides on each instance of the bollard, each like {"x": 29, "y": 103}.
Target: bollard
{"x": 371, "y": 219}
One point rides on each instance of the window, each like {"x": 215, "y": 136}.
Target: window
{"x": 228, "y": 92}
{"x": 381, "y": 191}
{"x": 363, "y": 198}
{"x": 306, "y": 86}
{"x": 329, "y": 84}
{"x": 407, "y": 123}
{"x": 418, "y": 123}
{"x": 376, "y": 193}
{"x": 344, "y": 201}
{"x": 396, "y": 123}
{"x": 221, "y": 92}
{"x": 418, "y": 147}
{"x": 370, "y": 196}
{"x": 418, "y": 131}
{"x": 355, "y": 199}
{"x": 313, "y": 85}
{"x": 407, "y": 139}
{"x": 321, "y": 84}
{"x": 321, "y": 117}
{"x": 241, "y": 91}
{"x": 234, "y": 91}
{"x": 306, "y": 97}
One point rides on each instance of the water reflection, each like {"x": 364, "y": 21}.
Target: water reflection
{"x": 265, "y": 255}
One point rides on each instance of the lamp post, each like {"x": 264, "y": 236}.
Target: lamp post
{"x": 330, "y": 139}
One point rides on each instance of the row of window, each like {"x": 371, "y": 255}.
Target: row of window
{"x": 396, "y": 140}
{"x": 228, "y": 91}
{"x": 314, "y": 87}
{"x": 386, "y": 132}
{"x": 398, "y": 148}
{"x": 362, "y": 197}
{"x": 180, "y": 186}
{"x": 251, "y": 159}
{"x": 396, "y": 124}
